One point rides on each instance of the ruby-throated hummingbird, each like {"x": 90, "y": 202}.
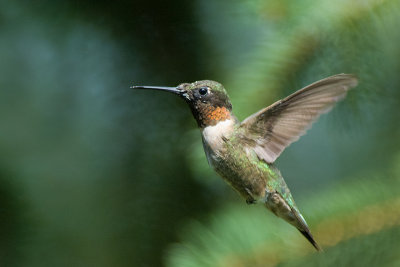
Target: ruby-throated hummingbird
{"x": 243, "y": 153}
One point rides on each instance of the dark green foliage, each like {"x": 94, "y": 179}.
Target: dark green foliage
{"x": 94, "y": 174}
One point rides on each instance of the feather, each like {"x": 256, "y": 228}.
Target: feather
{"x": 269, "y": 131}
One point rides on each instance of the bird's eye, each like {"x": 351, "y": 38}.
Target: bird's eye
{"x": 203, "y": 90}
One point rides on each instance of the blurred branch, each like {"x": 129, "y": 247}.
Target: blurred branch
{"x": 288, "y": 47}
{"x": 242, "y": 237}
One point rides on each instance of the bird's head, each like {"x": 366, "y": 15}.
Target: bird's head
{"x": 207, "y": 99}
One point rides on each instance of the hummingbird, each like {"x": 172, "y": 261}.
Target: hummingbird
{"x": 243, "y": 153}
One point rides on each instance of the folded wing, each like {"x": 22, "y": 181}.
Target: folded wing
{"x": 269, "y": 131}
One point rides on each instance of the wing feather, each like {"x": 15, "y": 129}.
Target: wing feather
{"x": 269, "y": 131}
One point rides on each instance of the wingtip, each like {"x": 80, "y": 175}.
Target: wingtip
{"x": 352, "y": 78}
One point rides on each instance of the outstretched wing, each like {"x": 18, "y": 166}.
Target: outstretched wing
{"x": 269, "y": 131}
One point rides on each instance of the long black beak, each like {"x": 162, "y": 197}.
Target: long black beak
{"x": 174, "y": 90}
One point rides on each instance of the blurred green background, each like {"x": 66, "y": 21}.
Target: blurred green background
{"x": 95, "y": 174}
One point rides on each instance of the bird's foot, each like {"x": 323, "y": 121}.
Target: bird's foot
{"x": 250, "y": 201}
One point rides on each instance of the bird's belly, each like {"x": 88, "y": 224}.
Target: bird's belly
{"x": 239, "y": 172}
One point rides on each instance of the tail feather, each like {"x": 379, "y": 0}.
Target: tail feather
{"x": 288, "y": 211}
{"x": 310, "y": 238}
{"x": 302, "y": 226}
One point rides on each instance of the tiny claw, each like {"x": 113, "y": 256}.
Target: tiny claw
{"x": 250, "y": 201}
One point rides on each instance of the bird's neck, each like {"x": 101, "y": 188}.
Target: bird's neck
{"x": 214, "y": 135}
{"x": 209, "y": 115}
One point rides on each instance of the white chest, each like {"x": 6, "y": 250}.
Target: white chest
{"x": 214, "y": 136}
